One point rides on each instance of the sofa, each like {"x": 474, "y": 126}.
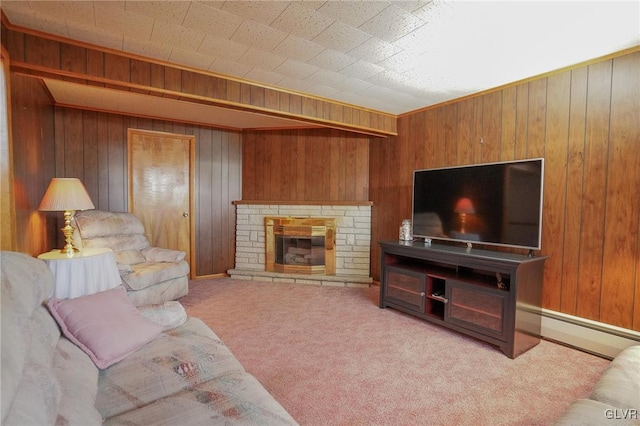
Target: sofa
{"x": 615, "y": 399}
{"x": 151, "y": 275}
{"x": 99, "y": 359}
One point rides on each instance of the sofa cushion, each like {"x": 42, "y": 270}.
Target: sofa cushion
{"x": 39, "y": 392}
{"x": 232, "y": 399}
{"x": 28, "y": 341}
{"x": 120, "y": 231}
{"x": 105, "y": 325}
{"x": 96, "y": 224}
{"x": 118, "y": 243}
{"x": 177, "y": 359}
{"x": 78, "y": 377}
{"x": 148, "y": 273}
{"x": 620, "y": 383}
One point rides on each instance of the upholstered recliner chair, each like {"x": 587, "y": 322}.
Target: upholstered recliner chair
{"x": 152, "y": 275}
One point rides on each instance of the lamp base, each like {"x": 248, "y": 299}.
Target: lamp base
{"x": 69, "y": 250}
{"x": 68, "y": 230}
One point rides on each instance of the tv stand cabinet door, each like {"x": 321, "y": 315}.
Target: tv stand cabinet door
{"x": 477, "y": 308}
{"x": 405, "y": 287}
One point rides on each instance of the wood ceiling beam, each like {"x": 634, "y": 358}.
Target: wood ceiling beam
{"x": 43, "y": 55}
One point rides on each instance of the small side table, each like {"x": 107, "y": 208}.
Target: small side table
{"x": 89, "y": 271}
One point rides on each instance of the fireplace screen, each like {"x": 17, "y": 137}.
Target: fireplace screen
{"x": 299, "y": 250}
{"x": 300, "y": 245}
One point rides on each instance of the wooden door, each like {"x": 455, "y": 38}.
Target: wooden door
{"x": 161, "y": 188}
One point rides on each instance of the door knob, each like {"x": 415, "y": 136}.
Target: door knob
{"x": 185, "y": 214}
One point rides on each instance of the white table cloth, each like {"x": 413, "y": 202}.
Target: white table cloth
{"x": 88, "y": 271}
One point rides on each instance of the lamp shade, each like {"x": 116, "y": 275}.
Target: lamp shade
{"x": 465, "y": 206}
{"x": 66, "y": 194}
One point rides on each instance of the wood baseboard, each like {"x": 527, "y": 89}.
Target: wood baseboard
{"x": 590, "y": 336}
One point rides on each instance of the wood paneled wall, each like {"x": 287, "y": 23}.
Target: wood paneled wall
{"x": 33, "y": 165}
{"x": 585, "y": 122}
{"x": 305, "y": 165}
{"x": 92, "y": 146}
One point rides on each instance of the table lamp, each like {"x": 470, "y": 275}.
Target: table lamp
{"x": 67, "y": 195}
{"x": 464, "y": 206}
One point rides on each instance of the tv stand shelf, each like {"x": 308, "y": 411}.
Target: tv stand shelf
{"x": 489, "y": 295}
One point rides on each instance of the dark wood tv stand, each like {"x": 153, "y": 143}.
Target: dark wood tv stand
{"x": 490, "y": 295}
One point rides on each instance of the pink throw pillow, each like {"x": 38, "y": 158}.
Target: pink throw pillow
{"x": 106, "y": 326}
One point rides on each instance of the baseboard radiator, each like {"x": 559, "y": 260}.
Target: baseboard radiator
{"x": 590, "y": 336}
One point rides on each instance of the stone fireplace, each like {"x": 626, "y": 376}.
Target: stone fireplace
{"x": 302, "y": 236}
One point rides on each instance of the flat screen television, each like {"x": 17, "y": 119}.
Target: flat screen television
{"x": 493, "y": 203}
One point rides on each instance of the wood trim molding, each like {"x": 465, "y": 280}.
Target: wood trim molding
{"x": 7, "y": 200}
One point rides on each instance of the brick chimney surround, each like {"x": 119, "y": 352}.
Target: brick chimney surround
{"x": 352, "y": 241}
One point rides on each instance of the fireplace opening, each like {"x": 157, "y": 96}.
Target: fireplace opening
{"x": 299, "y": 250}
{"x": 300, "y": 245}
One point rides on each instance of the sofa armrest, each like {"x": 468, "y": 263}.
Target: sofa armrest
{"x": 158, "y": 254}
{"x": 169, "y": 314}
{"x": 124, "y": 269}
{"x": 587, "y": 412}
{"x": 620, "y": 383}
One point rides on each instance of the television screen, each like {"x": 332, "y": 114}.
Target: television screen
{"x": 494, "y": 203}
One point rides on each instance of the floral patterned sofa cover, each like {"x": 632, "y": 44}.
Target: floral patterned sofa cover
{"x": 179, "y": 375}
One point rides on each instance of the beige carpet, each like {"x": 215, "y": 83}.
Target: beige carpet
{"x": 330, "y": 356}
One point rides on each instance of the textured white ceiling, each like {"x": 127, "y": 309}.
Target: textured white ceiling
{"x": 391, "y": 56}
